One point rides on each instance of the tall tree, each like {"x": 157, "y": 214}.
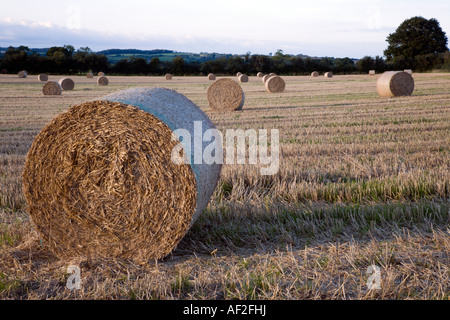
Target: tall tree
{"x": 416, "y": 36}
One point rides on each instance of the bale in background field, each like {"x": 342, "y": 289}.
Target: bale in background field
{"x": 101, "y": 74}
{"x": 89, "y": 75}
{"x": 102, "y": 81}
{"x": 265, "y": 77}
{"x": 43, "y": 77}
{"x": 243, "y": 78}
{"x": 328, "y": 75}
{"x": 112, "y": 187}
{"x": 225, "y": 95}
{"x": 395, "y": 83}
{"x": 372, "y": 72}
{"x": 22, "y": 74}
{"x": 314, "y": 74}
{"x": 260, "y": 74}
{"x": 211, "y": 76}
{"x": 168, "y": 76}
{"x": 275, "y": 84}
{"x": 66, "y": 84}
{"x": 238, "y": 74}
{"x": 52, "y": 88}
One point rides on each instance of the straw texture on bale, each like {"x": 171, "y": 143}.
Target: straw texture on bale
{"x": 211, "y": 76}
{"x": 112, "y": 189}
{"x": 52, "y": 88}
{"x": 395, "y": 83}
{"x": 314, "y": 74}
{"x": 22, "y": 74}
{"x": 265, "y": 77}
{"x": 89, "y": 75}
{"x": 243, "y": 78}
{"x": 225, "y": 95}
{"x": 275, "y": 84}
{"x": 43, "y": 77}
{"x": 328, "y": 75}
{"x": 372, "y": 72}
{"x": 260, "y": 74}
{"x": 101, "y": 74}
{"x": 66, "y": 84}
{"x": 102, "y": 81}
{"x": 168, "y": 76}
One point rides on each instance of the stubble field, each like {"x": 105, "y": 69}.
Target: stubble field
{"x": 363, "y": 181}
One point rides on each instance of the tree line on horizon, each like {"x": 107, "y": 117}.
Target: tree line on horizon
{"x": 418, "y": 44}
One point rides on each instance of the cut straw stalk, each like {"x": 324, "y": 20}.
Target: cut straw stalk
{"x": 225, "y": 95}
{"x": 395, "y": 83}
{"x": 112, "y": 187}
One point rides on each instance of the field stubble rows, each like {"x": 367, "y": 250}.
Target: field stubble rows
{"x": 362, "y": 181}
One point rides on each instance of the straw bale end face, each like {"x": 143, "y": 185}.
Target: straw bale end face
{"x": 211, "y": 76}
{"x": 66, "y": 84}
{"x": 395, "y": 84}
{"x": 102, "y": 81}
{"x": 314, "y": 74}
{"x": 112, "y": 189}
{"x": 328, "y": 75}
{"x": 22, "y": 74}
{"x": 243, "y": 78}
{"x": 52, "y": 88}
{"x": 225, "y": 95}
{"x": 43, "y": 77}
{"x": 168, "y": 76}
{"x": 89, "y": 75}
{"x": 275, "y": 84}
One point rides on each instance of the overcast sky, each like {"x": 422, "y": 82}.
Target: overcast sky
{"x": 339, "y": 28}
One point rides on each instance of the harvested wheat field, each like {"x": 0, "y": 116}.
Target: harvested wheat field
{"x": 363, "y": 184}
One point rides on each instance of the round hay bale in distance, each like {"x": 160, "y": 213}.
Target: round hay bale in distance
{"x": 52, "y": 88}
{"x": 101, "y": 74}
{"x": 113, "y": 189}
{"x": 265, "y": 77}
{"x": 89, "y": 75}
{"x": 260, "y": 74}
{"x": 275, "y": 84}
{"x": 238, "y": 74}
{"x": 102, "y": 81}
{"x": 22, "y": 74}
{"x": 372, "y": 72}
{"x": 272, "y": 74}
{"x": 211, "y": 76}
{"x": 168, "y": 76}
{"x": 328, "y": 75}
{"x": 66, "y": 84}
{"x": 243, "y": 78}
{"x": 225, "y": 95}
{"x": 314, "y": 74}
{"x": 43, "y": 77}
{"x": 395, "y": 84}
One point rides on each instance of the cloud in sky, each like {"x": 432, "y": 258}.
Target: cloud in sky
{"x": 327, "y": 28}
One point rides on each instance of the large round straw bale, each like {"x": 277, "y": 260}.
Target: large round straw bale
{"x": 102, "y": 81}
{"x": 328, "y": 75}
{"x": 314, "y": 74}
{"x": 211, "y": 76}
{"x": 66, "y": 84}
{"x": 168, "y": 76}
{"x": 243, "y": 78}
{"x": 275, "y": 84}
{"x": 395, "y": 83}
{"x": 372, "y": 72}
{"x": 89, "y": 75}
{"x": 225, "y": 95}
{"x": 22, "y": 74}
{"x": 43, "y": 77}
{"x": 101, "y": 74}
{"x": 112, "y": 187}
{"x": 260, "y": 74}
{"x": 52, "y": 88}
